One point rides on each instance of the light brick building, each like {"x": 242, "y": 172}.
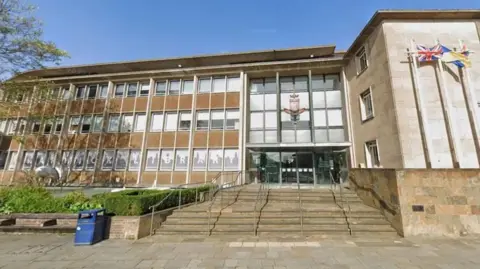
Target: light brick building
{"x": 289, "y": 115}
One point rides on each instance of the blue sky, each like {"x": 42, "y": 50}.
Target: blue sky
{"x": 95, "y": 31}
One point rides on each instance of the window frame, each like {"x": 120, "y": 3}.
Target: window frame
{"x": 361, "y": 57}
{"x": 117, "y": 85}
{"x": 369, "y": 154}
{"x": 140, "y": 89}
{"x": 181, "y": 113}
{"x": 152, "y": 120}
{"x": 365, "y": 106}
{"x": 222, "y": 119}
{"x": 135, "y": 123}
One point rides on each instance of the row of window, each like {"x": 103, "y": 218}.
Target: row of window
{"x": 127, "y": 159}
{"x": 295, "y": 84}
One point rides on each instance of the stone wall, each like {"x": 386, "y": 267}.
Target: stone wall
{"x": 433, "y": 202}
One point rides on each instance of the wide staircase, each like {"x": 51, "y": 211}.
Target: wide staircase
{"x": 258, "y": 210}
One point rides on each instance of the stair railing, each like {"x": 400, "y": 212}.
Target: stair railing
{"x": 300, "y": 205}
{"x": 262, "y": 192}
{"x": 220, "y": 186}
{"x": 343, "y": 201}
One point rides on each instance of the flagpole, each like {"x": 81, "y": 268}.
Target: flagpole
{"x": 423, "y": 112}
{"x": 447, "y": 106}
{"x": 473, "y": 107}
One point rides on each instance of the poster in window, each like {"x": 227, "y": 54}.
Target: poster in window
{"x": 40, "y": 159}
{"x": 166, "y": 162}
{"x": 13, "y": 160}
{"x": 107, "y": 161}
{"x": 67, "y": 158}
{"x": 215, "y": 159}
{"x": 91, "y": 159}
{"x": 231, "y": 159}
{"x": 51, "y": 158}
{"x": 152, "y": 159}
{"x": 181, "y": 159}
{"x": 134, "y": 163}
{"x": 199, "y": 159}
{"x": 3, "y": 159}
{"x": 79, "y": 160}
{"x": 121, "y": 160}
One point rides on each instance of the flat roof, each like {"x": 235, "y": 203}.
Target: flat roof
{"x": 405, "y": 15}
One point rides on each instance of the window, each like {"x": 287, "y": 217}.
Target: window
{"x": 58, "y": 125}
{"x": 119, "y": 90}
{"x": 181, "y": 159}
{"x": 166, "y": 161}
{"x": 54, "y": 93}
{"x": 218, "y": 118}
{"x": 232, "y": 120}
{"x": 231, "y": 159}
{"x": 160, "y": 88}
{"x": 103, "y": 91}
{"x": 215, "y": 159}
{"x": 67, "y": 157}
{"x": 205, "y": 85}
{"x": 144, "y": 89}
{"x": 219, "y": 84}
{"x": 187, "y": 87}
{"x": 51, "y": 158}
{"x": 97, "y": 124}
{"x": 121, "y": 159}
{"x": 256, "y": 120}
{"x": 132, "y": 89}
{"x": 35, "y": 126}
{"x": 92, "y": 92}
{"x": 79, "y": 160}
{"x": 47, "y": 129}
{"x": 3, "y": 125}
{"x": 233, "y": 84}
{"x": 86, "y": 124}
{"x": 3, "y": 159}
{"x": 185, "y": 121}
{"x": 153, "y": 157}
{"x": 373, "y": 158}
{"x": 199, "y": 159}
{"x": 107, "y": 160}
{"x": 361, "y": 60}
{"x": 40, "y": 158}
{"x": 127, "y": 123}
{"x": 91, "y": 159}
{"x": 12, "y": 127}
{"x": 366, "y": 105}
{"x": 80, "y": 92}
{"x": 171, "y": 121}
{"x": 134, "y": 161}
{"x": 12, "y": 162}
{"x": 113, "y": 123}
{"x": 157, "y": 122}
{"x": 286, "y": 84}
{"x": 140, "y": 122}
{"x": 22, "y": 124}
{"x": 202, "y": 120}
{"x": 27, "y": 160}
{"x": 174, "y": 87}
{"x": 74, "y": 123}
{"x": 66, "y": 94}
{"x": 271, "y": 120}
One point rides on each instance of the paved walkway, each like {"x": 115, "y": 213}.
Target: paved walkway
{"x": 55, "y": 251}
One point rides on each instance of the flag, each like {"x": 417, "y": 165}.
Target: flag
{"x": 428, "y": 54}
{"x": 459, "y": 59}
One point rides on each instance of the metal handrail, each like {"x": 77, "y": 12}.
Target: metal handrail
{"x": 180, "y": 187}
{"x": 260, "y": 196}
{"x": 300, "y": 205}
{"x": 343, "y": 200}
{"x": 219, "y": 188}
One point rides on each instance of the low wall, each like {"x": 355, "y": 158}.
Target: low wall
{"x": 433, "y": 202}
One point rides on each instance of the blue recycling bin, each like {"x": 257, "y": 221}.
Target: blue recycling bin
{"x": 90, "y": 227}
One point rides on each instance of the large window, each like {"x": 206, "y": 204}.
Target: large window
{"x": 199, "y": 159}
{"x": 185, "y": 121}
{"x": 153, "y": 157}
{"x": 134, "y": 160}
{"x": 140, "y": 122}
{"x": 113, "y": 123}
{"x": 366, "y": 105}
{"x": 372, "y": 156}
{"x": 121, "y": 159}
{"x": 234, "y": 84}
{"x": 127, "y": 123}
{"x": 361, "y": 60}
{"x": 132, "y": 89}
{"x": 215, "y": 159}
{"x": 204, "y": 85}
{"x": 91, "y": 159}
{"x": 97, "y": 123}
{"x": 263, "y": 107}
{"x": 202, "y": 120}
{"x": 79, "y": 160}
{"x": 107, "y": 160}
{"x": 156, "y": 124}
{"x": 232, "y": 120}
{"x": 119, "y": 90}
{"x": 86, "y": 124}
{"x": 181, "y": 159}
{"x": 160, "y": 88}
{"x": 171, "y": 120}
{"x": 187, "y": 87}
{"x": 217, "y": 120}
{"x": 166, "y": 160}
{"x": 144, "y": 89}
{"x": 174, "y": 87}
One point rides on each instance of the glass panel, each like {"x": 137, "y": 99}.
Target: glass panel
{"x": 288, "y": 136}
{"x": 285, "y": 100}
{"x": 187, "y": 87}
{"x": 321, "y": 136}
{"x": 92, "y": 92}
{"x": 204, "y": 85}
{"x": 157, "y": 122}
{"x": 319, "y": 118}
{"x": 231, "y": 159}
{"x": 51, "y": 158}
{"x": 140, "y": 122}
{"x": 121, "y": 159}
{"x": 336, "y": 135}
{"x": 132, "y": 90}
{"x": 331, "y": 82}
{"x": 233, "y": 84}
{"x": 13, "y": 160}
{"x": 270, "y": 102}
{"x": 304, "y": 101}
{"x": 113, "y": 123}
{"x": 317, "y": 83}
{"x": 79, "y": 92}
{"x": 144, "y": 89}
{"x": 79, "y": 160}
{"x": 270, "y": 120}
{"x": 91, "y": 159}
{"x": 233, "y": 120}
{"x": 305, "y": 168}
{"x": 134, "y": 161}
{"x": 119, "y": 90}
{"x": 286, "y": 120}
{"x": 181, "y": 160}
{"x": 303, "y": 136}
{"x": 127, "y": 123}
{"x": 107, "y": 161}
{"x": 217, "y": 120}
{"x": 185, "y": 121}
{"x": 301, "y": 84}
{"x": 215, "y": 159}
{"x": 86, "y": 124}
{"x": 174, "y": 87}
{"x": 270, "y": 85}
{"x": 256, "y": 86}
{"x": 199, "y": 159}
{"x": 152, "y": 159}
{"x": 256, "y": 102}
{"x": 171, "y": 120}
{"x": 256, "y": 137}
{"x": 335, "y": 117}
{"x": 256, "y": 120}
{"x": 98, "y": 124}
{"x": 58, "y": 125}
{"x": 3, "y": 124}
{"x": 289, "y": 167}
{"x": 318, "y": 99}
{"x": 202, "y": 120}
{"x": 334, "y": 99}
{"x": 166, "y": 161}
{"x": 160, "y": 88}
{"x": 303, "y": 120}
{"x": 67, "y": 158}
{"x": 103, "y": 91}
{"x": 270, "y": 136}
{"x": 286, "y": 84}
{"x": 219, "y": 84}
{"x": 323, "y": 165}
{"x": 40, "y": 159}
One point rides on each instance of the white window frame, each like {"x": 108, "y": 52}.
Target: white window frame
{"x": 136, "y": 127}
{"x": 363, "y": 98}
{"x": 141, "y": 88}
{"x": 152, "y": 121}
{"x": 369, "y": 147}
{"x": 361, "y": 52}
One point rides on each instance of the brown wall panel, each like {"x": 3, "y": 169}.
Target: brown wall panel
{"x": 179, "y": 178}
{"x": 233, "y": 100}
{"x": 197, "y": 177}
{"x": 123, "y": 140}
{"x": 41, "y": 142}
{"x": 99, "y": 105}
{"x": 102, "y": 177}
{"x": 115, "y": 105}
{"x": 87, "y": 178}
{"x": 218, "y": 100}
{"x": 81, "y": 141}
{"x": 182, "y": 139}
{"x": 128, "y": 104}
{"x": 93, "y": 140}
{"x": 200, "y": 139}
{"x": 88, "y": 106}
{"x": 163, "y": 178}
{"x": 172, "y": 102}
{"x": 74, "y": 177}
{"x": 141, "y": 104}
{"x": 186, "y": 102}
{"x": 61, "y": 106}
{"x": 75, "y": 107}
{"x": 203, "y": 101}
{"x": 157, "y": 103}
{"x": 49, "y": 108}
{"x": 53, "y": 142}
{"x": 148, "y": 178}
{"x": 168, "y": 139}
{"x": 109, "y": 140}
{"x": 215, "y": 139}
{"x": 153, "y": 140}
{"x": 36, "y": 109}
{"x": 29, "y": 142}
{"x": 211, "y": 176}
{"x": 6, "y": 177}
{"x": 231, "y": 138}
{"x": 136, "y": 140}
{"x": 130, "y": 178}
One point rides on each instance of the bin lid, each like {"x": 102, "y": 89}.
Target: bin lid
{"x": 90, "y": 211}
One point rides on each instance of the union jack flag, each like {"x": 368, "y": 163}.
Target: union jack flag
{"x": 429, "y": 54}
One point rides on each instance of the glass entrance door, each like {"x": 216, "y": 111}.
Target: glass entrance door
{"x": 297, "y": 168}
{"x": 289, "y": 168}
{"x": 330, "y": 166}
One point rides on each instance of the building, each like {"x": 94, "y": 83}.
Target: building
{"x": 286, "y": 116}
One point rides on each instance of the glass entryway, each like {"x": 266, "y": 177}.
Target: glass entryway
{"x": 292, "y": 167}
